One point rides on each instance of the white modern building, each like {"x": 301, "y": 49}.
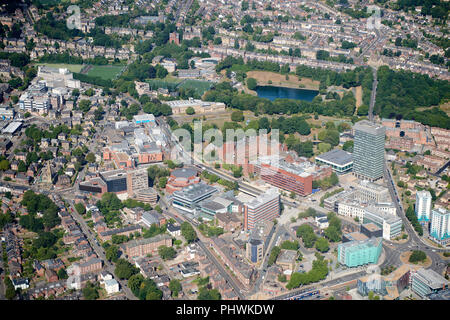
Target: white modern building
{"x": 111, "y": 286}
{"x": 6, "y": 113}
{"x": 390, "y": 224}
{"x": 143, "y": 118}
{"x": 368, "y": 191}
{"x": 423, "y": 206}
{"x": 265, "y": 207}
{"x": 440, "y": 226}
{"x": 58, "y": 77}
{"x": 355, "y": 209}
{"x": 36, "y": 98}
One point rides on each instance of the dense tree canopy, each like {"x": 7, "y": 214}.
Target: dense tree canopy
{"x": 399, "y": 93}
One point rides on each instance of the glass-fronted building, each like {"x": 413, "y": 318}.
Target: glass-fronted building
{"x": 358, "y": 253}
{"x": 428, "y": 281}
{"x": 116, "y": 180}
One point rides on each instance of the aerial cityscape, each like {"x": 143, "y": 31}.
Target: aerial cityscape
{"x": 224, "y": 150}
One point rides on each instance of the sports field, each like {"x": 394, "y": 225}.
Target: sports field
{"x": 104, "y": 72}
{"x": 71, "y": 67}
{"x": 199, "y": 86}
{"x": 172, "y": 83}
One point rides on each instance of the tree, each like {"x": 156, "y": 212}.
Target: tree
{"x": 81, "y": 209}
{"x": 324, "y": 147}
{"x": 89, "y": 92}
{"x": 175, "y": 287}
{"x": 21, "y": 167}
{"x": 166, "y": 253}
{"x": 237, "y": 116}
{"x": 237, "y": 172}
{"x": 417, "y": 256}
{"x": 161, "y": 72}
{"x": 124, "y": 269}
{"x": 90, "y": 291}
{"x": 112, "y": 253}
{"x": 252, "y": 83}
{"x": 208, "y": 294}
{"x": 188, "y": 232}
{"x": 62, "y": 274}
{"x": 84, "y": 105}
{"x": 273, "y": 255}
{"x": 190, "y": 111}
{"x": 348, "y": 146}
{"x": 10, "y": 292}
{"x": 333, "y": 232}
{"x": 322, "y": 245}
{"x": 288, "y": 245}
{"x": 363, "y": 110}
{"x": 50, "y": 218}
{"x": 162, "y": 182}
{"x": 4, "y": 165}
{"x": 282, "y": 278}
{"x": 134, "y": 283}
{"x": 90, "y": 157}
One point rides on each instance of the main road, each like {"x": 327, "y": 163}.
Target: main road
{"x": 373, "y": 93}
{"x": 414, "y": 242}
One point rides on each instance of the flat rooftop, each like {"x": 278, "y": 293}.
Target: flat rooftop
{"x": 12, "y": 127}
{"x": 441, "y": 295}
{"x": 263, "y": 198}
{"x": 371, "y": 227}
{"x": 194, "y": 191}
{"x": 336, "y": 156}
{"x": 369, "y": 127}
{"x": 371, "y": 185}
{"x": 287, "y": 256}
{"x": 433, "y": 279}
{"x": 184, "y": 173}
{"x": 358, "y": 236}
{"x": 361, "y": 244}
{"x": 113, "y": 174}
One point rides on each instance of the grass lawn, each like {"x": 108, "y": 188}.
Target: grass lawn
{"x": 278, "y": 79}
{"x": 71, "y": 67}
{"x": 104, "y": 72}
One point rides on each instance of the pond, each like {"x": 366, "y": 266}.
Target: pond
{"x": 272, "y": 93}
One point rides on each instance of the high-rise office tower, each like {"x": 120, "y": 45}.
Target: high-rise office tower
{"x": 368, "y": 154}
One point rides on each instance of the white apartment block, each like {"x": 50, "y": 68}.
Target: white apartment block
{"x": 440, "y": 226}
{"x": 423, "y": 205}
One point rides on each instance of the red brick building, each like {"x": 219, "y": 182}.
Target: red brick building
{"x": 138, "y": 248}
{"x": 299, "y": 183}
